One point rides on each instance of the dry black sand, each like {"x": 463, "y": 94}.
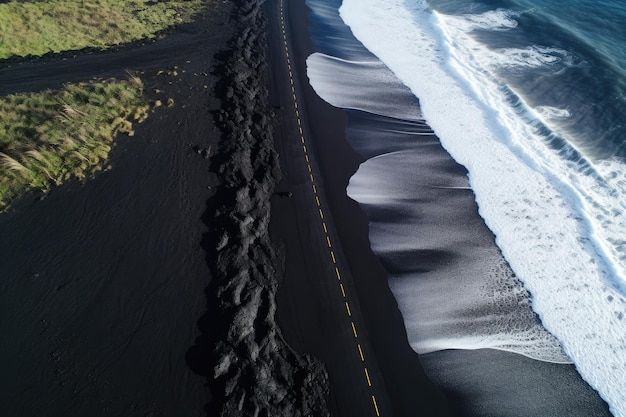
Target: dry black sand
{"x": 103, "y": 282}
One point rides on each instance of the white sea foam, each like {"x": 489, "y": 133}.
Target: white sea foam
{"x": 558, "y": 218}
{"x": 500, "y": 19}
{"x": 459, "y": 30}
{"x": 535, "y": 56}
{"x": 553, "y": 112}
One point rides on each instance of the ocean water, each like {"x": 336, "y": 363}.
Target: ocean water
{"x": 528, "y": 96}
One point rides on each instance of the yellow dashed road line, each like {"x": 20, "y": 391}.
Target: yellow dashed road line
{"x": 367, "y": 376}
{"x": 375, "y": 406}
{"x": 319, "y": 204}
{"x": 354, "y": 330}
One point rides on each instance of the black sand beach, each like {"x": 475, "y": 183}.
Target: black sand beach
{"x": 116, "y": 295}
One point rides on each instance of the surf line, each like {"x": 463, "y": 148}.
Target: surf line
{"x": 321, "y": 214}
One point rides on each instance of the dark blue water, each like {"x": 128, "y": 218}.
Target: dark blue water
{"x": 583, "y": 57}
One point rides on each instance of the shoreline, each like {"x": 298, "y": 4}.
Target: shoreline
{"x": 453, "y": 247}
{"x": 537, "y": 179}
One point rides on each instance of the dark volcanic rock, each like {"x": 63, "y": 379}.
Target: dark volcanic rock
{"x": 254, "y": 372}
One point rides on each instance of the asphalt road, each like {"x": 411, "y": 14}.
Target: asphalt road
{"x": 361, "y": 369}
{"x": 332, "y": 315}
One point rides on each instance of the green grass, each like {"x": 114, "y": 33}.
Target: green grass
{"x": 52, "y": 136}
{"x": 38, "y": 27}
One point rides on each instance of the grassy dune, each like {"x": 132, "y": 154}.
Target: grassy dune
{"x": 37, "y": 27}
{"x": 54, "y": 135}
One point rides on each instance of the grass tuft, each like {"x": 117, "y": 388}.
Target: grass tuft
{"x": 38, "y": 27}
{"x": 51, "y": 136}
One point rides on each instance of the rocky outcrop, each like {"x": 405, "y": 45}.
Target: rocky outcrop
{"x": 253, "y": 371}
